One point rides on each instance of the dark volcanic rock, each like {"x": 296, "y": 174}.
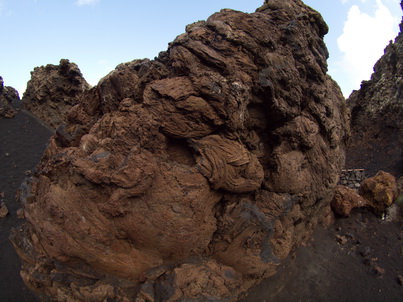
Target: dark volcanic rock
{"x": 53, "y": 90}
{"x": 194, "y": 175}
{"x": 8, "y": 95}
{"x": 377, "y": 115}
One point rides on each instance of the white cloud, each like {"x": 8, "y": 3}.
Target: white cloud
{"x": 363, "y": 40}
{"x": 345, "y": 1}
{"x": 86, "y": 2}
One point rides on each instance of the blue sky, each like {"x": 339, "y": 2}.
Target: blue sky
{"x": 99, "y": 34}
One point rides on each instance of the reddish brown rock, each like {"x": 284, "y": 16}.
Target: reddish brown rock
{"x": 341, "y": 239}
{"x": 3, "y": 210}
{"x": 20, "y": 213}
{"x": 53, "y": 90}
{"x": 380, "y": 191}
{"x": 194, "y": 175}
{"x": 379, "y": 271}
{"x": 346, "y": 199}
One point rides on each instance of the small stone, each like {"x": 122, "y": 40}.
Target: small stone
{"x": 379, "y": 271}
{"x": 341, "y": 239}
{"x": 20, "y": 213}
{"x": 367, "y": 262}
{"x": 1, "y": 194}
{"x": 7, "y": 154}
{"x": 350, "y": 235}
{"x": 3, "y": 210}
{"x": 28, "y": 172}
{"x": 400, "y": 279}
{"x": 366, "y": 251}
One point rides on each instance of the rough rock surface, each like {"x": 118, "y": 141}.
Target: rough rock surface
{"x": 8, "y": 95}
{"x": 377, "y": 193}
{"x": 3, "y": 210}
{"x": 377, "y": 115}
{"x": 345, "y": 200}
{"x": 194, "y": 175}
{"x": 380, "y": 191}
{"x": 53, "y": 90}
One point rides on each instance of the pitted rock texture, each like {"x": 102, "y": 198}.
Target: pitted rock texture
{"x": 380, "y": 191}
{"x": 377, "y": 193}
{"x": 53, "y": 90}
{"x": 8, "y": 95}
{"x": 191, "y": 176}
{"x": 345, "y": 200}
{"x": 377, "y": 115}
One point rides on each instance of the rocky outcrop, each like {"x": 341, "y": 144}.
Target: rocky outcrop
{"x": 53, "y": 90}
{"x": 345, "y": 200}
{"x": 191, "y": 176}
{"x": 377, "y": 115}
{"x": 8, "y": 95}
{"x": 377, "y": 193}
{"x": 380, "y": 191}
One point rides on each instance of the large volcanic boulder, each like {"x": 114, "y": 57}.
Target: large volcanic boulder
{"x": 194, "y": 175}
{"x": 8, "y": 95}
{"x": 377, "y": 115}
{"x": 53, "y": 90}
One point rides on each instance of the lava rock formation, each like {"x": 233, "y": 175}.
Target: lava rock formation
{"x": 8, "y": 95}
{"x": 191, "y": 176}
{"x": 377, "y": 115}
{"x": 53, "y": 90}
